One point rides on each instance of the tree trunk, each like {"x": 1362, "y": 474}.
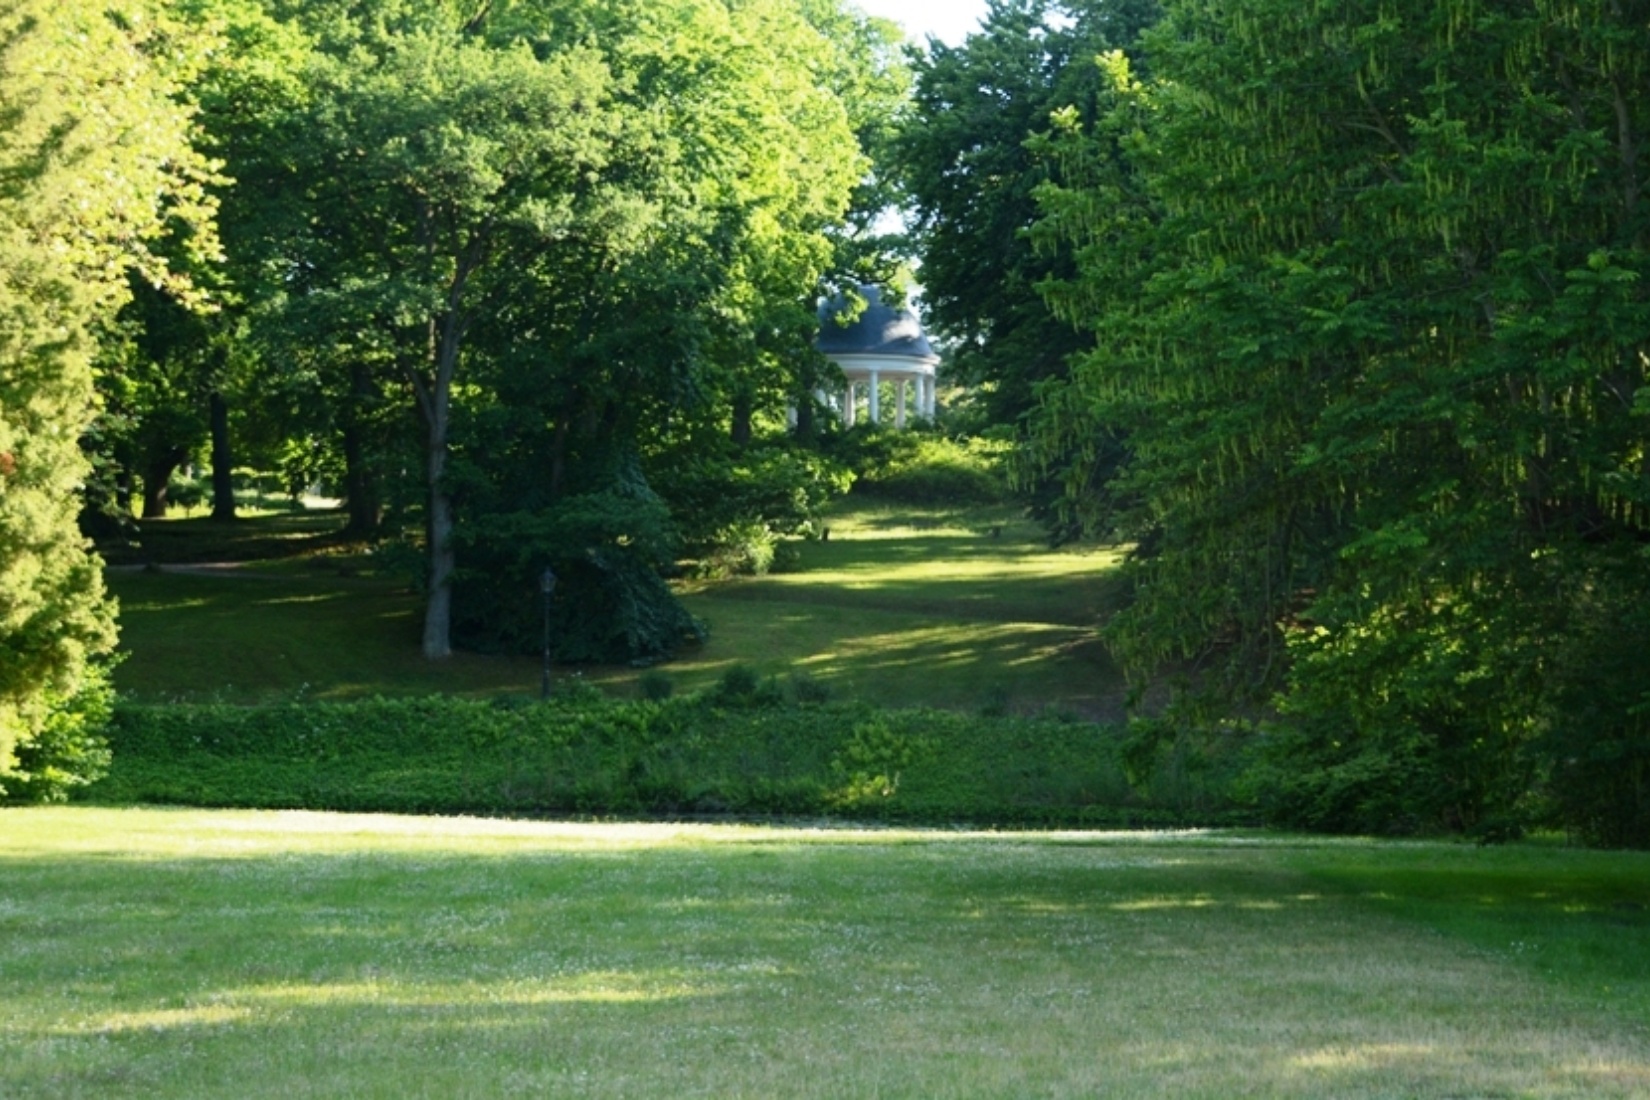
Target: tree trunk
{"x": 438, "y": 534}
{"x": 804, "y": 430}
{"x": 435, "y": 400}
{"x": 366, "y": 512}
{"x": 123, "y": 492}
{"x": 223, "y": 482}
{"x": 558, "y": 456}
{"x": 156, "y": 474}
{"x": 744, "y": 407}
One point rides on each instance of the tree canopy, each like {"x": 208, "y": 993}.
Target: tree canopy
{"x": 973, "y": 159}
{"x": 96, "y": 168}
{"x": 566, "y": 235}
{"x": 1376, "y": 332}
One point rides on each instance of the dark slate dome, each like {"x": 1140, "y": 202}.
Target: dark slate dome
{"x": 879, "y": 330}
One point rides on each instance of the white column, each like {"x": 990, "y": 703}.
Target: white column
{"x": 899, "y": 405}
{"x": 933, "y": 397}
{"x": 874, "y": 393}
{"x": 848, "y": 409}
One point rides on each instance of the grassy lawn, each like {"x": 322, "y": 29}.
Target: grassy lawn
{"x": 186, "y": 953}
{"x": 899, "y": 606}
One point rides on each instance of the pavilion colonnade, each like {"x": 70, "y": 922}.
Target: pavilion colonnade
{"x": 913, "y": 393}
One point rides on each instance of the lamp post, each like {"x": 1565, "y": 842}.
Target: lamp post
{"x": 547, "y": 588}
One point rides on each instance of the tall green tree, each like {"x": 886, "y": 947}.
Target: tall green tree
{"x": 1384, "y": 380}
{"x": 620, "y": 202}
{"x": 973, "y": 162}
{"x": 96, "y": 166}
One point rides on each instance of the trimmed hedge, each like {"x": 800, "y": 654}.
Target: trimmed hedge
{"x": 696, "y": 756}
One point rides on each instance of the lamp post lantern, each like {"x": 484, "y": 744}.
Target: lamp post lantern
{"x": 547, "y": 588}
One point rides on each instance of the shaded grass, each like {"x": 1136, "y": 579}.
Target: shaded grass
{"x": 252, "y": 538}
{"x": 199, "y": 954}
{"x": 255, "y": 635}
{"x": 900, "y": 606}
{"x": 1580, "y": 920}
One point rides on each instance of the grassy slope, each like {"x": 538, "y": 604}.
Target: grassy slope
{"x": 905, "y": 606}
{"x": 293, "y": 955}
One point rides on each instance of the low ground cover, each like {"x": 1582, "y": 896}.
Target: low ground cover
{"x": 744, "y": 749}
{"x": 189, "y": 953}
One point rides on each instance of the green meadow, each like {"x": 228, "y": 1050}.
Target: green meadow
{"x": 899, "y": 606}
{"x": 193, "y": 953}
{"x": 185, "y": 953}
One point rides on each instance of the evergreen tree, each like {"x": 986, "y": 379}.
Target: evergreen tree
{"x": 95, "y": 166}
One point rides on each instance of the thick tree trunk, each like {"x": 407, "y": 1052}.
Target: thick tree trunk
{"x": 223, "y": 481}
{"x": 360, "y": 487}
{"x": 156, "y": 474}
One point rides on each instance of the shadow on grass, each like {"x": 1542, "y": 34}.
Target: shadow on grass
{"x": 202, "y": 539}
{"x": 266, "y": 635}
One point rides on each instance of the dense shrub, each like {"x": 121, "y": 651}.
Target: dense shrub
{"x": 610, "y": 603}
{"x": 1596, "y": 741}
{"x": 740, "y": 749}
{"x": 924, "y": 468}
{"x": 733, "y": 507}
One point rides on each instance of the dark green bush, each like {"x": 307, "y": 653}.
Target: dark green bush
{"x": 610, "y": 603}
{"x": 807, "y": 689}
{"x": 740, "y": 752}
{"x": 1596, "y": 741}
{"x": 656, "y": 685}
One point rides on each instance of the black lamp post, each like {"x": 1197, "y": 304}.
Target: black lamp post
{"x": 547, "y": 588}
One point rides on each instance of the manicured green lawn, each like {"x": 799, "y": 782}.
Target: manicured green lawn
{"x": 900, "y": 606}
{"x": 185, "y": 953}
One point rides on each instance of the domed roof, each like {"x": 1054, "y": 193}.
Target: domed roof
{"x": 879, "y": 330}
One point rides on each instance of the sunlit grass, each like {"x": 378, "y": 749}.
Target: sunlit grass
{"x": 187, "y": 954}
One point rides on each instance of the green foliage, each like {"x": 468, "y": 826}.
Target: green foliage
{"x": 923, "y": 468}
{"x": 867, "y": 450}
{"x": 560, "y": 233}
{"x": 70, "y": 750}
{"x": 1596, "y": 740}
{"x": 742, "y": 686}
{"x": 936, "y": 470}
{"x": 806, "y": 689}
{"x": 974, "y": 172}
{"x": 1369, "y": 283}
{"x": 870, "y": 763}
{"x": 739, "y": 550}
{"x": 732, "y": 506}
{"x": 95, "y": 167}
{"x": 738, "y": 749}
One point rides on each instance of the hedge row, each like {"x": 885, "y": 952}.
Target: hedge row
{"x": 685, "y": 757}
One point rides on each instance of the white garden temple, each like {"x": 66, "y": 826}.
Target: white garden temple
{"x": 882, "y": 344}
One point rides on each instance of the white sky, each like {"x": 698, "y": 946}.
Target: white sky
{"x": 947, "y": 20}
